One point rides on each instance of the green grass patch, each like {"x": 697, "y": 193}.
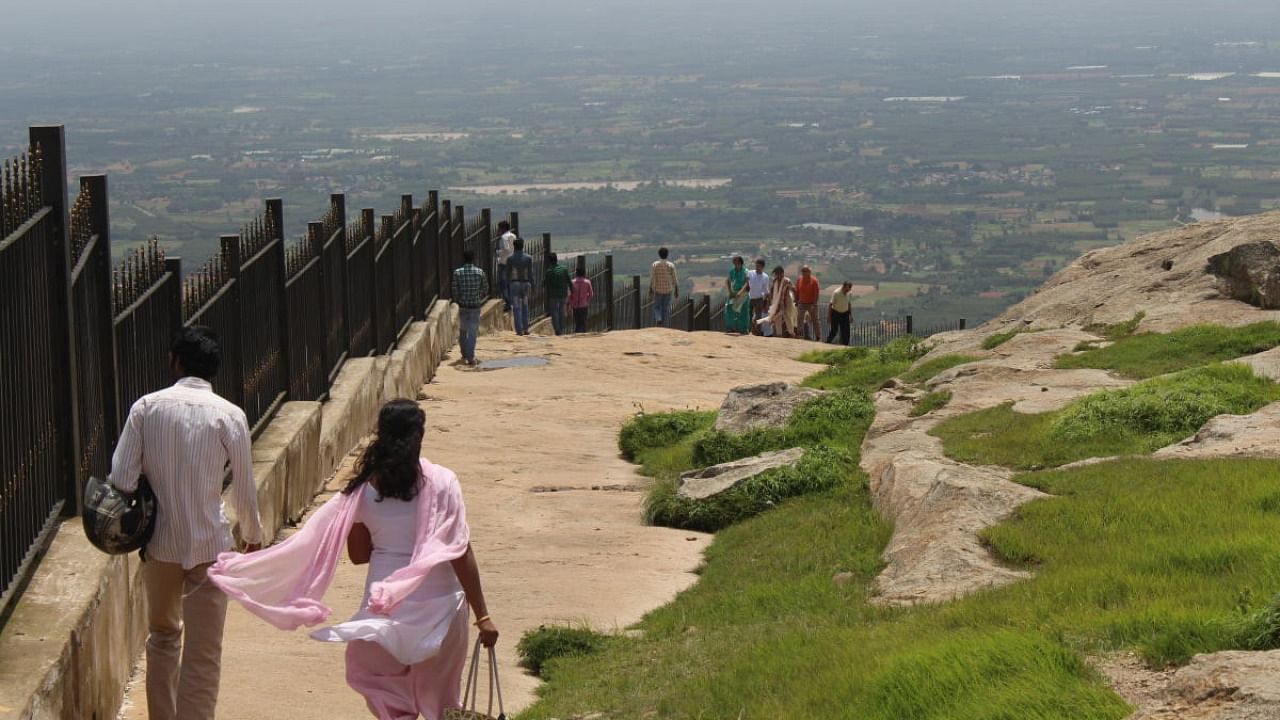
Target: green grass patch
{"x": 927, "y": 370}
{"x": 864, "y": 368}
{"x": 838, "y": 419}
{"x": 646, "y": 431}
{"x": 1151, "y": 354}
{"x": 820, "y": 470}
{"x": 1115, "y": 331}
{"x": 991, "y": 342}
{"x": 549, "y": 642}
{"x": 1162, "y": 558}
{"x": 929, "y": 403}
{"x": 1135, "y": 420}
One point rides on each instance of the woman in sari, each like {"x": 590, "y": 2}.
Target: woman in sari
{"x": 404, "y": 517}
{"x": 737, "y": 308}
{"x": 782, "y": 305}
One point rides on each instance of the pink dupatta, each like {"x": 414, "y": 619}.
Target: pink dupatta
{"x": 284, "y": 584}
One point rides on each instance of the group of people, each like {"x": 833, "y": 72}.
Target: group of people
{"x": 761, "y": 303}
{"x": 516, "y": 282}
{"x": 399, "y": 513}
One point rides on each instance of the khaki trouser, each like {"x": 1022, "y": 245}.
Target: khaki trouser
{"x": 183, "y": 668}
{"x": 810, "y": 325}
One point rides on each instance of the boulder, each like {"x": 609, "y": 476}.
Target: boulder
{"x": 1250, "y": 273}
{"x": 760, "y": 406}
{"x": 1221, "y": 686}
{"x": 1255, "y": 436}
{"x": 709, "y": 482}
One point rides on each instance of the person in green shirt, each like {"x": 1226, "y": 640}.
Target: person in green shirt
{"x": 557, "y": 286}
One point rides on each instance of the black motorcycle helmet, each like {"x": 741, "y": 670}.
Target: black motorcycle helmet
{"x": 117, "y": 522}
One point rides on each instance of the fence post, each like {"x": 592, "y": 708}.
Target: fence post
{"x": 458, "y": 230}
{"x": 51, "y": 141}
{"x": 338, "y": 203}
{"x": 485, "y": 252}
{"x": 962, "y": 322}
{"x": 368, "y": 222}
{"x": 638, "y": 301}
{"x": 513, "y": 218}
{"x": 581, "y": 263}
{"x": 231, "y": 269}
{"x": 909, "y": 325}
{"x": 275, "y": 219}
{"x": 608, "y": 292}
{"x": 407, "y": 214}
{"x": 315, "y": 242}
{"x": 100, "y": 222}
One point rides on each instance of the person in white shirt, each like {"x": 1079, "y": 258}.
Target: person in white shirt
{"x": 505, "y": 246}
{"x": 183, "y": 439}
{"x": 758, "y": 289}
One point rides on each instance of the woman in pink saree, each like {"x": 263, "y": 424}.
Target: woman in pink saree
{"x": 404, "y": 517}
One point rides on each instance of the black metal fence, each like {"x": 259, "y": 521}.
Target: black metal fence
{"x": 82, "y": 340}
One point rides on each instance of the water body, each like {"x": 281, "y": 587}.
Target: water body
{"x": 621, "y": 185}
{"x": 514, "y": 362}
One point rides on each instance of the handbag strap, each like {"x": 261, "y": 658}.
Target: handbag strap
{"x": 470, "y": 696}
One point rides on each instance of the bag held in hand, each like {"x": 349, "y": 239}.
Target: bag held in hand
{"x": 468, "y": 710}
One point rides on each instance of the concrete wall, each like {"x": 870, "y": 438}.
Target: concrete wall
{"x": 69, "y": 647}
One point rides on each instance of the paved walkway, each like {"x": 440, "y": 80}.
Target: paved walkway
{"x": 528, "y": 443}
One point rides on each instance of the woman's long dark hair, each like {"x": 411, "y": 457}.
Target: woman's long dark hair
{"x": 393, "y": 455}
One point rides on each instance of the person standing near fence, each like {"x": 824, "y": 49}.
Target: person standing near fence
{"x": 556, "y": 283}
{"x": 470, "y": 290}
{"x": 808, "y": 291}
{"x": 504, "y": 245}
{"x": 520, "y": 270}
{"x": 782, "y": 305}
{"x": 664, "y": 286}
{"x": 758, "y": 291}
{"x": 841, "y": 312}
{"x": 736, "y": 307}
{"x": 580, "y": 300}
{"x": 183, "y": 438}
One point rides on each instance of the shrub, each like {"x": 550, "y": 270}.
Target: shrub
{"x": 646, "y": 431}
{"x": 929, "y": 369}
{"x": 929, "y": 403}
{"x": 1151, "y": 354}
{"x": 821, "y": 469}
{"x": 1259, "y": 630}
{"x": 1166, "y": 409}
{"x": 546, "y": 643}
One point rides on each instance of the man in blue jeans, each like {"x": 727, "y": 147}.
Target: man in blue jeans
{"x": 520, "y": 270}
{"x": 664, "y": 286}
{"x": 470, "y": 289}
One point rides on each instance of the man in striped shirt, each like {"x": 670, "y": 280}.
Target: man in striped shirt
{"x": 664, "y": 286}
{"x": 184, "y": 438}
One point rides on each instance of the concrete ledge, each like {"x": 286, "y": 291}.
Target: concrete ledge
{"x": 68, "y": 650}
{"x": 493, "y": 319}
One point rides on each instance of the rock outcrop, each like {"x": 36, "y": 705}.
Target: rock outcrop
{"x": 1254, "y": 436}
{"x": 709, "y": 482}
{"x": 1220, "y": 686}
{"x": 1250, "y": 273}
{"x": 761, "y": 406}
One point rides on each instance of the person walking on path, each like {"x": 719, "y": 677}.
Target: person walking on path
{"x": 556, "y": 283}
{"x": 737, "y": 306}
{"x": 404, "y": 517}
{"x": 808, "y": 291}
{"x": 664, "y": 286}
{"x": 470, "y": 290}
{"x": 580, "y": 300}
{"x": 758, "y": 291}
{"x": 504, "y": 245}
{"x": 841, "y": 312}
{"x": 183, "y": 438}
{"x": 520, "y": 270}
{"x": 782, "y": 305}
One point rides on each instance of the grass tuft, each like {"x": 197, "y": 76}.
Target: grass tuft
{"x": 1115, "y": 331}
{"x": 929, "y": 369}
{"x": 837, "y": 419}
{"x": 929, "y": 403}
{"x": 546, "y": 643}
{"x": 646, "y": 431}
{"x": 863, "y": 368}
{"x": 991, "y": 342}
{"x": 1152, "y": 354}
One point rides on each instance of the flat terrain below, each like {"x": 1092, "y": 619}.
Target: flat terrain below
{"x": 529, "y": 444}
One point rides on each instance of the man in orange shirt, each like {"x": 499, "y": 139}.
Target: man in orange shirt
{"x": 808, "y": 289}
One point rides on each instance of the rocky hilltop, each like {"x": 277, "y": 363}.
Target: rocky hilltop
{"x": 1224, "y": 273}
